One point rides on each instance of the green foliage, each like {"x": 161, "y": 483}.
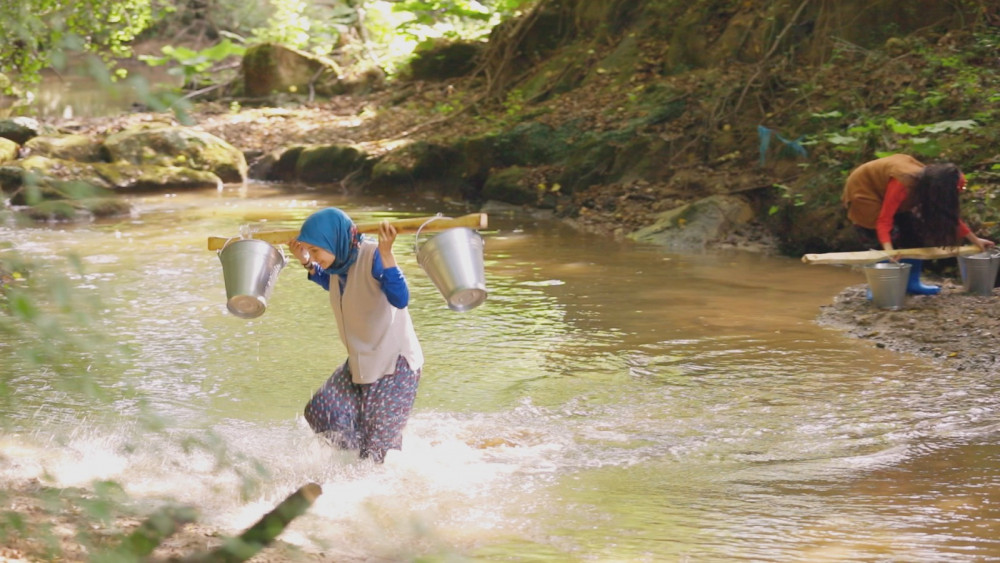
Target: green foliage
{"x": 194, "y": 66}
{"x": 889, "y": 136}
{"x": 426, "y": 15}
{"x": 310, "y": 26}
{"x": 453, "y": 19}
{"x": 794, "y": 198}
{"x": 38, "y": 34}
{"x": 288, "y": 24}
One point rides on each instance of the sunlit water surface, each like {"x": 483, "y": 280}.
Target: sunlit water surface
{"x": 608, "y": 402}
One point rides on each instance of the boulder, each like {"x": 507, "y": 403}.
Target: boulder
{"x": 328, "y": 163}
{"x": 47, "y": 178}
{"x": 8, "y": 150}
{"x": 262, "y": 167}
{"x": 185, "y": 147}
{"x": 417, "y": 162}
{"x": 691, "y": 227}
{"x": 77, "y": 210}
{"x": 282, "y": 169}
{"x": 19, "y": 129}
{"x": 129, "y": 177}
{"x": 270, "y": 68}
{"x": 53, "y": 179}
{"x": 80, "y": 148}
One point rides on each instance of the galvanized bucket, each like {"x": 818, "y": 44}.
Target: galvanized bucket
{"x": 250, "y": 268}
{"x": 979, "y": 272}
{"x": 453, "y": 259}
{"x": 887, "y": 281}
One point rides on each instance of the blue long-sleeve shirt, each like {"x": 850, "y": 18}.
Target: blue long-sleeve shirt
{"x": 391, "y": 281}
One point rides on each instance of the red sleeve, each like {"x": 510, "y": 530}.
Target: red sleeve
{"x": 963, "y": 229}
{"x": 895, "y": 195}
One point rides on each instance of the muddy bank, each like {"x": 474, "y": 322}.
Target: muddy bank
{"x": 960, "y": 330}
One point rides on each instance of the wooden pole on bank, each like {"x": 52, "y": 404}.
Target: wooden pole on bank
{"x": 261, "y": 534}
{"x": 872, "y": 256}
{"x": 403, "y": 227}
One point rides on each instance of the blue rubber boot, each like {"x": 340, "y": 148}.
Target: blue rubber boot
{"x": 914, "y": 286}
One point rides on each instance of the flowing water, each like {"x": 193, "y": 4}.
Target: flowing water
{"x": 608, "y": 402}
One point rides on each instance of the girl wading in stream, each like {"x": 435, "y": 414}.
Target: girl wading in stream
{"x": 898, "y": 202}
{"x": 365, "y": 404}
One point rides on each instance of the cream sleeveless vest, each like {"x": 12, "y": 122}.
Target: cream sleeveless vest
{"x": 374, "y": 332}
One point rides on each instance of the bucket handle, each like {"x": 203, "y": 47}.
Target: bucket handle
{"x": 228, "y": 240}
{"x": 246, "y": 233}
{"x": 416, "y": 237}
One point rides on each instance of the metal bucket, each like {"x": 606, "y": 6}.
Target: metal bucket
{"x": 453, "y": 259}
{"x": 979, "y": 272}
{"x": 250, "y": 267}
{"x": 887, "y": 282}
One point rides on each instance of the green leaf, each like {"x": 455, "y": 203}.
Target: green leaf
{"x": 951, "y": 126}
{"x": 828, "y": 115}
{"x": 902, "y": 128}
{"x": 839, "y": 139}
{"x": 23, "y": 307}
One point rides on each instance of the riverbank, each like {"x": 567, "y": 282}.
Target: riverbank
{"x": 54, "y": 519}
{"x": 960, "y": 330}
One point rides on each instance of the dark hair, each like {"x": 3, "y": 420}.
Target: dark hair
{"x": 934, "y": 198}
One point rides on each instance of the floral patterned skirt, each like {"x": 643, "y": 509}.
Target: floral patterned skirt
{"x": 367, "y": 417}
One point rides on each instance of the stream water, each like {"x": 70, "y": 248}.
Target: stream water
{"x": 608, "y": 402}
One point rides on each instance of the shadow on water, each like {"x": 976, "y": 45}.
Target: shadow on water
{"x": 609, "y": 401}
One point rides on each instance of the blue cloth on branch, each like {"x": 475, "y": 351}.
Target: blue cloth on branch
{"x": 765, "y": 134}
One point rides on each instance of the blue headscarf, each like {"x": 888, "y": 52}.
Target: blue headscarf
{"x": 332, "y": 230}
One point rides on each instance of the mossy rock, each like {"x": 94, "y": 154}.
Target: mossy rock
{"x": 103, "y": 207}
{"x": 129, "y": 177}
{"x": 328, "y": 163}
{"x": 80, "y": 148}
{"x": 178, "y": 146}
{"x": 284, "y": 167}
{"x": 270, "y": 68}
{"x": 693, "y": 226}
{"x": 420, "y": 161}
{"x": 442, "y": 59}
{"x": 48, "y": 189}
{"x": 19, "y": 129}
{"x": 262, "y": 167}
{"x": 45, "y": 178}
{"x": 75, "y": 210}
{"x": 510, "y": 185}
{"x": 52, "y": 210}
{"x": 8, "y": 150}
{"x": 11, "y": 178}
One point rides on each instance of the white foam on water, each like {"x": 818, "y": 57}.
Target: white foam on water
{"x": 456, "y": 483}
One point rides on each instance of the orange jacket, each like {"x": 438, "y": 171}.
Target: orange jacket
{"x": 864, "y": 191}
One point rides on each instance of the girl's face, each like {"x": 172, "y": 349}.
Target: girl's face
{"x": 323, "y": 257}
